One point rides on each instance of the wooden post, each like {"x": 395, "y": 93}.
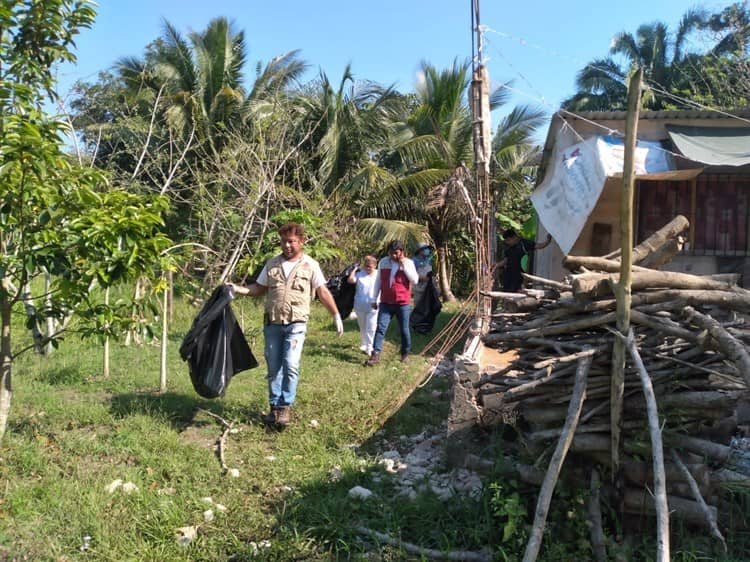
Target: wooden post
{"x": 164, "y": 337}
{"x": 105, "y": 356}
{"x": 693, "y": 211}
{"x": 622, "y": 288}
{"x": 484, "y": 228}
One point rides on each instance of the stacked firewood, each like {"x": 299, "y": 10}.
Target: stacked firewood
{"x": 690, "y": 335}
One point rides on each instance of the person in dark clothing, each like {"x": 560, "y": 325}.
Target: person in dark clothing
{"x": 515, "y": 249}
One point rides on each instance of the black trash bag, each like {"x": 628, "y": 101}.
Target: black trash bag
{"x": 425, "y": 311}
{"x": 215, "y": 347}
{"x": 343, "y": 291}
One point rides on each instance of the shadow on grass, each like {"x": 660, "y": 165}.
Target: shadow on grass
{"x": 182, "y": 411}
{"x": 68, "y": 376}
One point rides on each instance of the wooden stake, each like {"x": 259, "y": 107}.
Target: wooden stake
{"x": 553, "y": 470}
{"x": 622, "y": 288}
{"x": 657, "y": 453}
{"x": 710, "y": 518}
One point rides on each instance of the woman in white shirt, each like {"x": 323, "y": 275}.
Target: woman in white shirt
{"x": 364, "y": 299}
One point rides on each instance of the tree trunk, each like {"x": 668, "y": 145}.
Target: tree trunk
{"x": 6, "y": 362}
{"x": 654, "y": 242}
{"x": 594, "y": 285}
{"x": 105, "y": 350}
{"x": 164, "y": 337}
{"x": 443, "y": 279}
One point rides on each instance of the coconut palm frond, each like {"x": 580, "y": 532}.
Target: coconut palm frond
{"x": 383, "y": 231}
{"x": 421, "y": 149}
{"x": 369, "y": 179}
{"x": 501, "y": 95}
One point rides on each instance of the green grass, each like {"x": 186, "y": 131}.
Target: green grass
{"x": 73, "y": 432}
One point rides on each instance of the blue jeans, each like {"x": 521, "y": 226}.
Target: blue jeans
{"x": 385, "y": 313}
{"x": 283, "y": 351}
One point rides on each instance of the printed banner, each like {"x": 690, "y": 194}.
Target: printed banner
{"x": 568, "y": 194}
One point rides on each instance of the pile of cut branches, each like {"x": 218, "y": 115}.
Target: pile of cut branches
{"x": 686, "y": 397}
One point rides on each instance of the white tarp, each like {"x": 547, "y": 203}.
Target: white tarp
{"x": 569, "y": 192}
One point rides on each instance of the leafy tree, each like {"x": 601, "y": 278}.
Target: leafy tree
{"x": 601, "y": 83}
{"x": 55, "y": 216}
{"x": 201, "y": 79}
{"x": 349, "y": 124}
{"x": 721, "y": 76}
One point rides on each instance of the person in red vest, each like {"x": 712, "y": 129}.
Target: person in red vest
{"x": 396, "y": 275}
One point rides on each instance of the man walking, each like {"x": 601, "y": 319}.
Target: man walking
{"x": 288, "y": 281}
{"x": 396, "y": 275}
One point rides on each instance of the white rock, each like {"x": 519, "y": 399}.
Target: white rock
{"x": 185, "y": 535}
{"x": 129, "y": 488}
{"x": 208, "y": 499}
{"x": 112, "y": 486}
{"x": 208, "y": 515}
{"x": 233, "y": 472}
{"x": 314, "y": 423}
{"x": 335, "y": 474}
{"x": 358, "y": 492}
{"x": 388, "y": 465}
{"x": 270, "y": 458}
{"x": 220, "y": 508}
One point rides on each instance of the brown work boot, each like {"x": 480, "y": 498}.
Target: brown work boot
{"x": 404, "y": 357}
{"x": 283, "y": 416}
{"x": 374, "y": 359}
{"x": 270, "y": 417}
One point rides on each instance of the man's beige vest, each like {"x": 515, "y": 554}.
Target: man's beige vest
{"x": 288, "y": 299}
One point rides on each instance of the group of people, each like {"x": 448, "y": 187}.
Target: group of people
{"x": 383, "y": 290}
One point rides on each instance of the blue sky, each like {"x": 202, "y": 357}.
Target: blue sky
{"x": 540, "y": 45}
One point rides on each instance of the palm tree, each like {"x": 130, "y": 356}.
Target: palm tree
{"x": 201, "y": 79}
{"x": 423, "y": 188}
{"x": 349, "y": 124}
{"x": 516, "y": 155}
{"x": 601, "y": 83}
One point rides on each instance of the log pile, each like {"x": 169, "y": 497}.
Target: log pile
{"x": 691, "y": 337}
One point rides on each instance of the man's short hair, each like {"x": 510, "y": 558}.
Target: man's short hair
{"x": 509, "y": 233}
{"x": 395, "y": 245}
{"x": 293, "y": 229}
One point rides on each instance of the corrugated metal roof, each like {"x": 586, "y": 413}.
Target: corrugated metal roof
{"x": 743, "y": 113}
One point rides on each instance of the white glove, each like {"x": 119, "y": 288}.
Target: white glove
{"x": 339, "y": 324}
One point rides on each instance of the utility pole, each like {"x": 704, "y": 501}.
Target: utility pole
{"x": 484, "y": 229}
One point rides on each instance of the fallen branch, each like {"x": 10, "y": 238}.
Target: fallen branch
{"x": 562, "y": 328}
{"x": 710, "y": 518}
{"x": 221, "y": 442}
{"x": 553, "y": 470}
{"x": 728, "y": 344}
{"x": 547, "y": 282}
{"x": 467, "y": 555}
